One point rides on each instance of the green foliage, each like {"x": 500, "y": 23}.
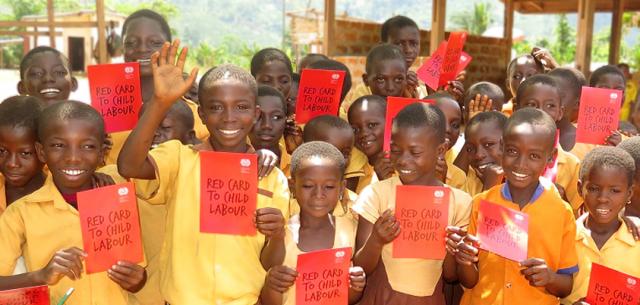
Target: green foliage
{"x": 164, "y": 8}
{"x": 475, "y": 22}
{"x": 600, "y": 45}
{"x": 564, "y": 46}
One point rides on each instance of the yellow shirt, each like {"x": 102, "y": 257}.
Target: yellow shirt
{"x": 362, "y": 90}
{"x": 630, "y": 95}
{"x": 117, "y": 140}
{"x": 37, "y": 226}
{"x": 368, "y": 178}
{"x": 414, "y": 276}
{"x": 3, "y": 195}
{"x": 455, "y": 176}
{"x": 473, "y": 185}
{"x": 620, "y": 252}
{"x": 285, "y": 158}
{"x": 201, "y": 268}
{"x": 552, "y": 232}
{"x": 568, "y": 175}
{"x": 345, "y": 236}
{"x": 357, "y": 163}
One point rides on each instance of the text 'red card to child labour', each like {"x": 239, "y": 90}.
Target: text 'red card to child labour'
{"x": 319, "y": 93}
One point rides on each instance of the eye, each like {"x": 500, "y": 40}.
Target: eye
{"x": 329, "y": 187}
{"x": 455, "y": 125}
{"x": 242, "y": 107}
{"x": 517, "y": 76}
{"x": 399, "y": 79}
{"x": 592, "y": 188}
{"x": 379, "y": 80}
{"x": 56, "y": 145}
{"x": 511, "y": 151}
{"x": 488, "y": 145}
{"x": 26, "y": 154}
{"x": 277, "y": 117}
{"x": 2, "y": 151}
{"x": 307, "y": 186}
{"x": 616, "y": 191}
{"x": 88, "y": 146}
{"x": 535, "y": 157}
{"x": 216, "y": 107}
{"x": 416, "y": 152}
{"x": 372, "y": 125}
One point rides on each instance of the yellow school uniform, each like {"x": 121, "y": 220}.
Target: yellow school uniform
{"x": 368, "y": 178}
{"x": 580, "y": 150}
{"x": 455, "y": 176}
{"x": 202, "y": 133}
{"x": 201, "y": 268}
{"x": 343, "y": 208}
{"x": 285, "y": 158}
{"x": 37, "y": 226}
{"x": 507, "y": 108}
{"x": 117, "y": 141}
{"x": 568, "y": 175}
{"x": 630, "y": 94}
{"x": 345, "y": 236}
{"x": 417, "y": 277}
{"x": 362, "y": 90}
{"x": 3, "y": 195}
{"x": 357, "y": 162}
{"x": 472, "y": 185}
{"x": 620, "y": 252}
{"x": 500, "y": 280}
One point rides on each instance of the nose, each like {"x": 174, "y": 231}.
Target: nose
{"x": 318, "y": 192}
{"x": 72, "y": 155}
{"x": 12, "y": 161}
{"x": 265, "y": 122}
{"x": 227, "y": 115}
{"x": 479, "y": 154}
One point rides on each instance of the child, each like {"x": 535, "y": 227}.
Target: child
{"x": 46, "y": 74}
{"x": 44, "y": 226}
{"x": 272, "y": 67}
{"x": 20, "y": 167}
{"x": 366, "y": 116}
{"x": 309, "y": 59}
{"x": 546, "y": 274}
{"x": 170, "y": 173}
{"x": 317, "y": 173}
{"x": 417, "y": 139}
{"x": 606, "y": 184}
{"x": 332, "y": 65}
{"x": 267, "y": 131}
{"x": 485, "y": 95}
{"x": 632, "y": 146}
{"x": 449, "y": 173}
{"x": 542, "y": 92}
{"x": 483, "y": 151}
{"x": 570, "y": 82}
{"x": 519, "y": 69}
{"x": 627, "y": 128}
{"x": 631, "y": 91}
{"x": 293, "y": 94}
{"x": 176, "y": 125}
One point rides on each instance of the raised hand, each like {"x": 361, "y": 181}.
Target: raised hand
{"x": 383, "y": 167}
{"x": 544, "y": 56}
{"x": 480, "y": 103}
{"x": 462, "y": 246}
{"x": 267, "y": 161}
{"x": 167, "y": 66}
{"x": 613, "y": 139}
{"x": 292, "y": 134}
{"x": 537, "y": 272}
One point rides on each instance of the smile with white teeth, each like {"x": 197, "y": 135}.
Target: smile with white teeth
{"x": 519, "y": 175}
{"x": 483, "y": 166}
{"x": 73, "y": 172}
{"x": 603, "y": 211}
{"x": 405, "y": 171}
{"x": 229, "y": 132}
{"x": 49, "y": 90}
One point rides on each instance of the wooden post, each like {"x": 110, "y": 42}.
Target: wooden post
{"x": 508, "y": 26}
{"x": 616, "y": 31}
{"x": 438, "y": 17}
{"x": 51, "y": 21}
{"x": 102, "y": 37}
{"x": 586, "y": 10}
{"x": 329, "y": 26}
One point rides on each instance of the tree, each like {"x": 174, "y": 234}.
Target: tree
{"x": 563, "y": 47}
{"x": 475, "y": 22}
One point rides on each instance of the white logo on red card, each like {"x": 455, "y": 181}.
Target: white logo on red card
{"x": 123, "y": 191}
{"x": 613, "y": 95}
{"x": 335, "y": 76}
{"x": 631, "y": 281}
{"x": 245, "y": 162}
{"x": 340, "y": 254}
{"x": 438, "y": 194}
{"x": 128, "y": 70}
{"x": 519, "y": 217}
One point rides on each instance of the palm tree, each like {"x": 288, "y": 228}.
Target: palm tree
{"x": 475, "y": 22}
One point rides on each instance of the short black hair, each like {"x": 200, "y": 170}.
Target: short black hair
{"x": 330, "y": 64}
{"x": 512, "y": 64}
{"x": 266, "y": 55}
{"x": 607, "y": 156}
{"x": 493, "y": 91}
{"x": 184, "y": 114}
{"x": 265, "y": 90}
{"x": 323, "y": 122}
{"x": 602, "y": 71}
{"x": 383, "y": 51}
{"x": 309, "y": 59}
{"x": 26, "y": 60}
{"x": 575, "y": 78}
{"x": 295, "y": 77}
{"x": 632, "y": 146}
{"x": 534, "y": 117}
{"x": 422, "y": 115}
{"x": 21, "y": 111}
{"x": 319, "y": 149}
{"x": 370, "y": 100}
{"x": 395, "y": 22}
{"x": 487, "y": 116}
{"x": 226, "y": 71}
{"x": 627, "y": 126}
{"x": 69, "y": 110}
{"x": 147, "y": 13}
{"x": 534, "y": 80}
{"x": 440, "y": 97}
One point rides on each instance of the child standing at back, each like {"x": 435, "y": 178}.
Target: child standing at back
{"x": 447, "y": 171}
{"x": 418, "y": 137}
{"x": 546, "y": 274}
{"x": 519, "y": 69}
{"x": 46, "y": 74}
{"x": 570, "y": 82}
{"x": 632, "y": 146}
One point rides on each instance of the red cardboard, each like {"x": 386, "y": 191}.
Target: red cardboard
{"x": 423, "y": 213}
{"x": 395, "y": 105}
{"x": 323, "y": 277}
{"x": 608, "y": 286}
{"x": 551, "y": 171}
{"x": 503, "y": 231}
{"x": 110, "y": 226}
{"x": 228, "y": 192}
{"x": 599, "y": 114}
{"x": 318, "y": 94}
{"x": 37, "y": 295}
{"x": 429, "y": 72}
{"x": 115, "y": 93}
{"x": 451, "y": 58}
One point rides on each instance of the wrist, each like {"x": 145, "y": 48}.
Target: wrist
{"x": 38, "y": 277}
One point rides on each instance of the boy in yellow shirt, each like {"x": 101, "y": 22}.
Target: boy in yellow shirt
{"x": 44, "y": 226}
{"x": 203, "y": 268}
{"x": 448, "y": 172}
{"x": 546, "y": 274}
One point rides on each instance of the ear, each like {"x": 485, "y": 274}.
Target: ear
{"x": 40, "y": 152}
{"x": 343, "y": 186}
{"x": 201, "y": 114}
{"x": 561, "y": 111}
{"x": 580, "y": 188}
{"x": 364, "y": 79}
{"x": 21, "y": 89}
{"x": 74, "y": 84}
{"x": 191, "y": 137}
{"x": 442, "y": 149}
{"x": 292, "y": 189}
{"x": 630, "y": 191}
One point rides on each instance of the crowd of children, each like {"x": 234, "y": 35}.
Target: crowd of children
{"x": 327, "y": 184}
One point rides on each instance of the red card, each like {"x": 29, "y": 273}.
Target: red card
{"x": 323, "y": 277}
{"x": 451, "y": 58}
{"x": 429, "y": 72}
{"x": 608, "y": 286}
{"x": 465, "y": 59}
{"x": 423, "y": 213}
{"x": 551, "y": 172}
{"x": 110, "y": 226}
{"x": 395, "y": 105}
{"x": 115, "y": 93}
{"x": 38, "y": 295}
{"x": 318, "y": 94}
{"x": 503, "y": 231}
{"x": 228, "y": 192}
{"x": 598, "y": 115}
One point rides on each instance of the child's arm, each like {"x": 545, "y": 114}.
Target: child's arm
{"x": 129, "y": 276}
{"x": 357, "y": 281}
{"x": 463, "y": 248}
{"x": 169, "y": 86}
{"x": 67, "y": 262}
{"x": 279, "y": 279}
{"x": 540, "y": 275}
{"x": 370, "y": 239}
{"x": 270, "y": 222}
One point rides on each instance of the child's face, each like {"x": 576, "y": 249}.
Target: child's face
{"x": 543, "y": 97}
{"x": 318, "y": 184}
{"x": 527, "y": 152}
{"x": 569, "y": 100}
{"x": 171, "y": 128}
{"x": 293, "y": 97}
{"x": 414, "y": 151}
{"x": 192, "y": 94}
{"x": 275, "y": 73}
{"x": 342, "y": 139}
{"x": 72, "y": 150}
{"x": 453, "y": 115}
{"x": 269, "y": 128}
{"x": 387, "y": 78}
{"x": 143, "y": 37}
{"x": 612, "y": 81}
{"x": 18, "y": 159}
{"x": 228, "y": 109}
{"x": 524, "y": 68}
{"x": 605, "y": 190}
{"x": 48, "y": 78}
{"x": 368, "y": 127}
{"x": 483, "y": 142}
{"x": 408, "y": 39}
